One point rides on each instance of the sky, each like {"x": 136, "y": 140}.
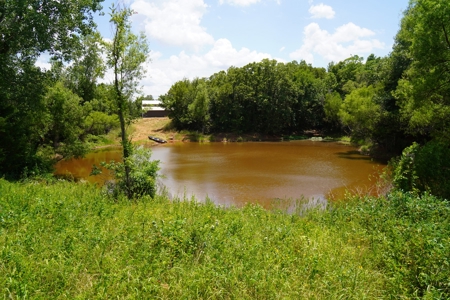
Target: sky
{"x": 197, "y": 38}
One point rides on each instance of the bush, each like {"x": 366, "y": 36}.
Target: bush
{"x": 142, "y": 177}
{"x": 409, "y": 239}
{"x": 424, "y": 168}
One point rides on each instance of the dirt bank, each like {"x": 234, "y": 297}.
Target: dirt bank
{"x": 142, "y": 128}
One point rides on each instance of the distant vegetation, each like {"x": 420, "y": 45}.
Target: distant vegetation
{"x": 385, "y": 103}
{"x": 389, "y": 102}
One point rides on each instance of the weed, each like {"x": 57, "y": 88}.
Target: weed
{"x": 67, "y": 240}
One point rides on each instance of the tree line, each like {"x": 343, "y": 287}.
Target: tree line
{"x": 400, "y": 102}
{"x": 45, "y": 113}
{"x": 390, "y": 101}
{"x": 352, "y": 96}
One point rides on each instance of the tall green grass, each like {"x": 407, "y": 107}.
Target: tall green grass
{"x": 67, "y": 240}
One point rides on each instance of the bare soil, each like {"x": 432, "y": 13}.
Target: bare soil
{"x": 142, "y": 128}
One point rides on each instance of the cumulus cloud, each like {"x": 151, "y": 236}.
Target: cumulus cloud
{"x": 348, "y": 39}
{"x": 174, "y": 22}
{"x": 243, "y": 2}
{"x": 164, "y": 72}
{"x": 43, "y": 61}
{"x": 239, "y": 2}
{"x": 321, "y": 11}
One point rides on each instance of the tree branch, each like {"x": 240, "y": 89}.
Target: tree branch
{"x": 446, "y": 36}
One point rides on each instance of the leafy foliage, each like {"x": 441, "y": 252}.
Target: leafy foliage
{"x": 141, "y": 179}
{"x": 32, "y": 27}
{"x": 408, "y": 237}
{"x": 126, "y": 55}
{"x": 360, "y": 112}
{"x": 424, "y": 169}
{"x": 22, "y": 87}
{"x": 423, "y": 93}
{"x": 29, "y": 28}
{"x": 64, "y": 120}
{"x": 267, "y": 97}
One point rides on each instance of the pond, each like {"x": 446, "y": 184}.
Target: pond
{"x": 238, "y": 173}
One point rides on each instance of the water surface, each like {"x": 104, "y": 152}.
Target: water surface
{"x": 237, "y": 173}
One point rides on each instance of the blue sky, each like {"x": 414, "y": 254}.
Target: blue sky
{"x": 196, "y": 38}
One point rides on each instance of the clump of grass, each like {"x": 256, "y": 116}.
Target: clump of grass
{"x": 408, "y": 237}
{"x": 295, "y": 137}
{"x": 100, "y": 140}
{"x": 345, "y": 140}
{"x": 66, "y": 240}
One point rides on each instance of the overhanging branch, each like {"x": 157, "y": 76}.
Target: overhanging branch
{"x": 446, "y": 36}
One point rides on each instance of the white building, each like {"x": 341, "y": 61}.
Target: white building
{"x": 153, "y": 108}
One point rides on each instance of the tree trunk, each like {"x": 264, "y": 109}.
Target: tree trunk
{"x": 121, "y": 111}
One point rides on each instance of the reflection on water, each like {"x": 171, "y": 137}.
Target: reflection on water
{"x": 236, "y": 173}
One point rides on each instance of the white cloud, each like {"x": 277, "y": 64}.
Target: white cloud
{"x": 239, "y": 2}
{"x": 43, "y": 61}
{"x": 223, "y": 55}
{"x": 348, "y": 39}
{"x": 164, "y": 72}
{"x": 174, "y": 22}
{"x": 321, "y": 11}
{"x": 44, "y": 65}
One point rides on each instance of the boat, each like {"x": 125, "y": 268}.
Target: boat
{"x": 156, "y": 139}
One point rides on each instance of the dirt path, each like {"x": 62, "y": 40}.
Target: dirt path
{"x": 144, "y": 127}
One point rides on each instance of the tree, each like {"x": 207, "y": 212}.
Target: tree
{"x": 347, "y": 74}
{"x": 87, "y": 67}
{"x": 360, "y": 112}
{"x": 22, "y": 87}
{"x": 126, "y": 54}
{"x": 64, "y": 121}
{"x": 177, "y": 101}
{"x": 199, "y": 108}
{"x": 332, "y": 105}
{"x": 424, "y": 92}
{"x": 27, "y": 29}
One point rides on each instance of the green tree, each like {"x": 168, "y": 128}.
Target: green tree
{"x": 22, "y": 87}
{"x": 176, "y": 102}
{"x": 199, "y": 108}
{"x": 86, "y": 68}
{"x": 332, "y": 106}
{"x": 424, "y": 92}
{"x": 310, "y": 88}
{"x": 423, "y": 169}
{"x": 27, "y": 29}
{"x": 98, "y": 123}
{"x": 225, "y": 112}
{"x": 65, "y": 120}
{"x": 360, "y": 112}
{"x": 126, "y": 54}
{"x": 347, "y": 74}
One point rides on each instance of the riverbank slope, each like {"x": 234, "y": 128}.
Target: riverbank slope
{"x": 67, "y": 240}
{"x": 161, "y": 127}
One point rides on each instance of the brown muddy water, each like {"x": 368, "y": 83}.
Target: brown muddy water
{"x": 239, "y": 173}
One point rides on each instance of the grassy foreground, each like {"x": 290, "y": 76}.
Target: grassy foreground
{"x": 68, "y": 241}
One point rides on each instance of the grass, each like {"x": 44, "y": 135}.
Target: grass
{"x": 66, "y": 240}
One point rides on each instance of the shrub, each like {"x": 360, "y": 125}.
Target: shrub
{"x": 424, "y": 168}
{"x": 409, "y": 238}
{"x": 142, "y": 177}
